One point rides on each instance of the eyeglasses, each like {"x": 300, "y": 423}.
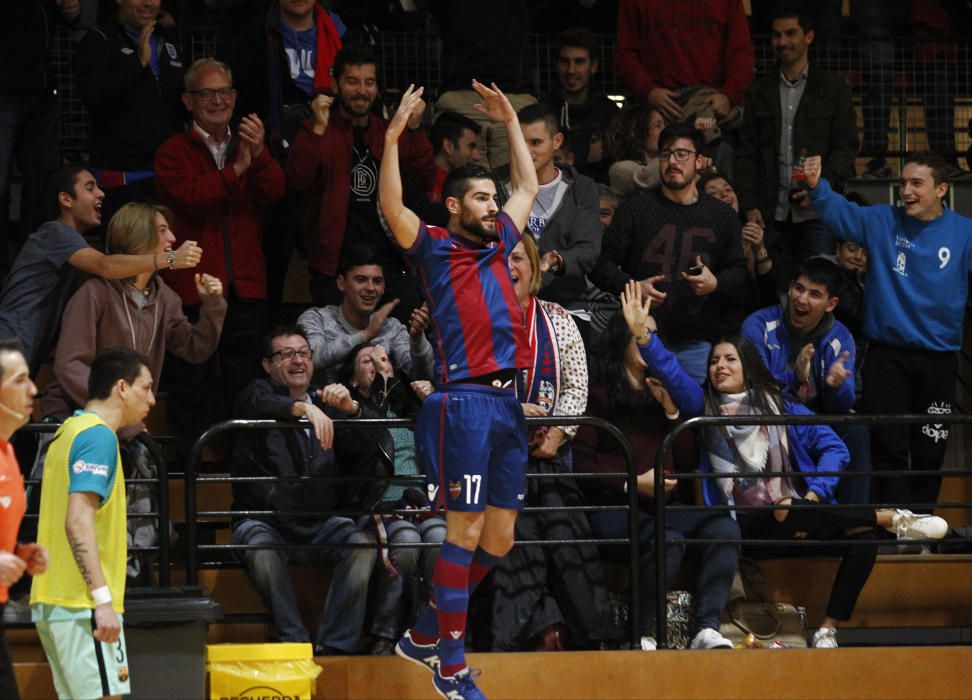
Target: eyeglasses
{"x": 208, "y": 95}
{"x": 681, "y": 154}
{"x": 287, "y": 354}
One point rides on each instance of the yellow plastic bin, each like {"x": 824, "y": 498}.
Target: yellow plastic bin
{"x": 257, "y": 671}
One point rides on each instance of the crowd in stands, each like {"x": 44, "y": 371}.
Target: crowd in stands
{"x": 690, "y": 253}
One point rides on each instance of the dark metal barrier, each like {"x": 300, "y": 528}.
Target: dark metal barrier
{"x": 161, "y": 485}
{"x": 193, "y": 479}
{"x": 703, "y": 421}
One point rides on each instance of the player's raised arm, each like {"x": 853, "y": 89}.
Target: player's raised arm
{"x": 523, "y": 175}
{"x": 401, "y": 220}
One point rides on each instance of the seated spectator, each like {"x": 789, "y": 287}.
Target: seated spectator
{"x": 607, "y": 204}
{"x": 549, "y": 598}
{"x": 129, "y": 73}
{"x": 738, "y": 384}
{"x": 622, "y": 393}
{"x": 454, "y": 144}
{"x": 812, "y": 356}
{"x": 373, "y": 382}
{"x": 583, "y": 111}
{"x": 564, "y": 217}
{"x": 761, "y": 246}
{"x": 600, "y": 306}
{"x": 334, "y": 163}
{"x": 631, "y": 142}
{"x": 43, "y": 275}
{"x": 286, "y": 395}
{"x": 334, "y": 330}
{"x": 852, "y": 258}
{"x": 140, "y": 311}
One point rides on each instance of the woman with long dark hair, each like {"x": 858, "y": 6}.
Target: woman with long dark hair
{"x": 738, "y": 384}
{"x": 642, "y": 409}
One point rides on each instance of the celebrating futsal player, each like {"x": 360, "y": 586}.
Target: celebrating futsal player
{"x": 470, "y": 434}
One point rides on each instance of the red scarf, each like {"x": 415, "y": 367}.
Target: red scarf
{"x": 328, "y": 44}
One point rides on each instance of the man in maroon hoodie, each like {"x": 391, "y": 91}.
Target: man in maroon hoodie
{"x": 334, "y": 160}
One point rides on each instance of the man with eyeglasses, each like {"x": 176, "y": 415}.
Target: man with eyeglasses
{"x": 218, "y": 182}
{"x": 683, "y": 246}
{"x": 129, "y": 74}
{"x": 292, "y": 509}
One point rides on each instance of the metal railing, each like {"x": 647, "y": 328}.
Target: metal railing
{"x": 193, "y": 479}
{"x": 702, "y": 421}
{"x": 160, "y": 484}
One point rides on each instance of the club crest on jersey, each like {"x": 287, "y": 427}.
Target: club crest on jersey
{"x": 455, "y": 489}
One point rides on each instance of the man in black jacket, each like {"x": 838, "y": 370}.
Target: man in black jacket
{"x": 129, "y": 74}
{"x": 286, "y": 395}
{"x": 798, "y": 109}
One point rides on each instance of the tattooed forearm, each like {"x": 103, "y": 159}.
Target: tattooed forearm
{"x": 79, "y": 550}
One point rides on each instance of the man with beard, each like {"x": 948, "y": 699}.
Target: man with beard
{"x": 683, "y": 246}
{"x": 334, "y": 159}
{"x": 470, "y": 435}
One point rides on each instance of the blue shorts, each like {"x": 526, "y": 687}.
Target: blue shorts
{"x": 471, "y": 442}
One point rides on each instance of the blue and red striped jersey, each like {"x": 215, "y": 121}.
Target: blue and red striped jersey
{"x": 477, "y": 321}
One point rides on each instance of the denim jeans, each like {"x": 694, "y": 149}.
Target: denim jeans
{"x": 345, "y": 607}
{"x": 390, "y": 602}
{"x": 855, "y": 490}
{"x": 693, "y": 356}
{"x": 717, "y": 567}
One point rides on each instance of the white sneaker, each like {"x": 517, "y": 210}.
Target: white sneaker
{"x": 825, "y": 638}
{"x": 648, "y": 644}
{"x": 914, "y": 526}
{"x": 708, "y": 638}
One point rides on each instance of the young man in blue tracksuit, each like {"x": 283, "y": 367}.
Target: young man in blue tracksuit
{"x": 919, "y": 259}
{"x": 811, "y": 354}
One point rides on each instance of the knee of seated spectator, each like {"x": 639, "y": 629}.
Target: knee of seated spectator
{"x": 403, "y": 556}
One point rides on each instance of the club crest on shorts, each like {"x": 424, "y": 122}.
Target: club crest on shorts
{"x": 455, "y": 489}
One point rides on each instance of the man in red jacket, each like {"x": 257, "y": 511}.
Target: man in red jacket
{"x": 334, "y": 160}
{"x": 217, "y": 183}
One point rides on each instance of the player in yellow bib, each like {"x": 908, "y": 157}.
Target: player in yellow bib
{"x": 77, "y": 605}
